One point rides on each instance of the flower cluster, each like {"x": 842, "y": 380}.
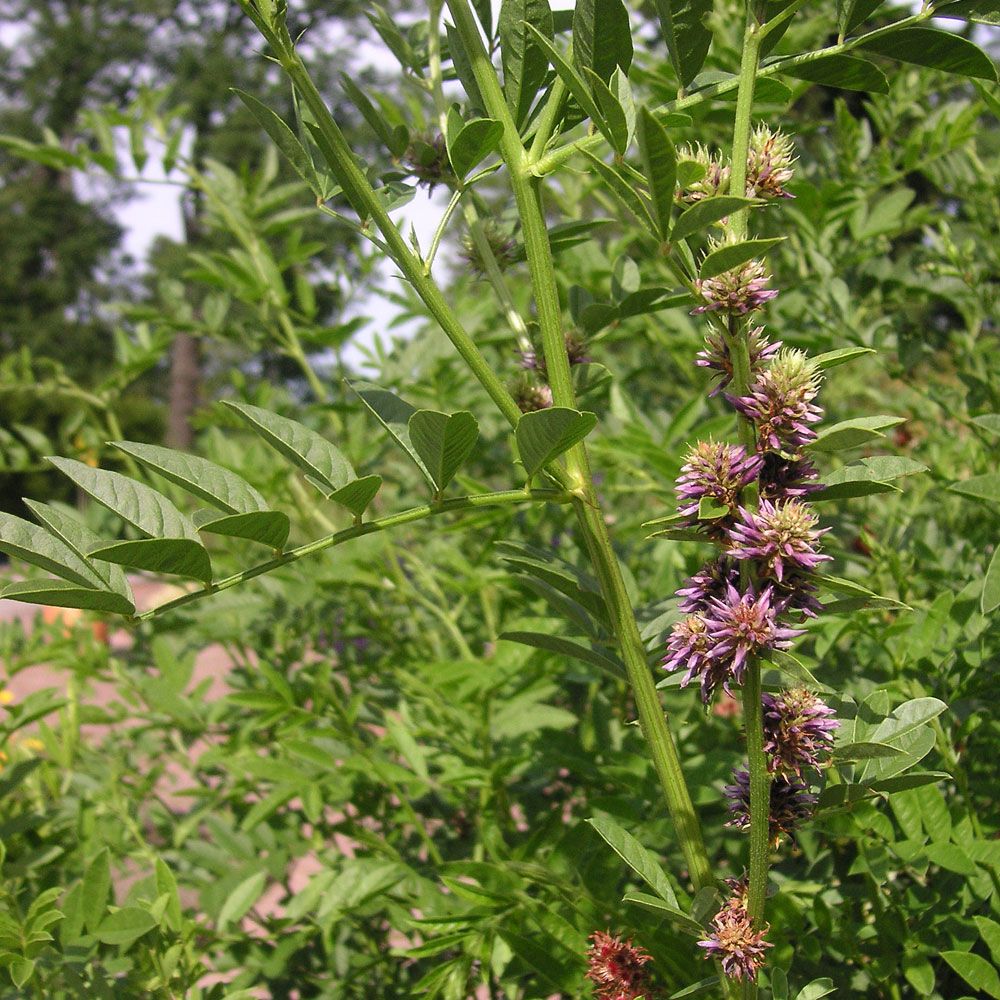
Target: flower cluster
{"x": 710, "y": 174}
{"x": 503, "y": 248}
{"x": 576, "y": 352}
{"x": 716, "y": 472}
{"x": 617, "y": 968}
{"x": 769, "y": 163}
{"x": 427, "y": 160}
{"x": 733, "y": 941}
{"x": 715, "y": 355}
{"x": 798, "y": 731}
{"x": 781, "y": 402}
{"x": 790, "y": 804}
{"x": 736, "y": 291}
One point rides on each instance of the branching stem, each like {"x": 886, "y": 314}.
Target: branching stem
{"x": 366, "y": 528}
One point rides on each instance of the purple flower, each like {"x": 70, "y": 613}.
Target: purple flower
{"x": 710, "y": 581}
{"x": 738, "y": 290}
{"x": 782, "y": 537}
{"x": 740, "y": 949}
{"x": 790, "y": 803}
{"x": 798, "y": 731}
{"x": 780, "y": 402}
{"x": 769, "y": 163}
{"x": 715, "y": 355}
{"x": 716, "y": 471}
{"x": 796, "y": 593}
{"x": 687, "y": 649}
{"x": 616, "y": 967}
{"x": 787, "y": 479}
{"x": 742, "y": 625}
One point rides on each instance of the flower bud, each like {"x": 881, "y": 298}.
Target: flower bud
{"x": 714, "y": 177}
{"x": 769, "y": 163}
{"x": 736, "y": 291}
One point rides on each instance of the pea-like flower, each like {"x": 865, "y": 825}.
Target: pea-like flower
{"x": 769, "y": 163}
{"x": 714, "y": 179}
{"x": 687, "y": 650}
{"x": 617, "y": 968}
{"x": 742, "y": 625}
{"x": 502, "y": 246}
{"x": 715, "y": 355}
{"x": 710, "y": 581}
{"x": 733, "y": 941}
{"x": 790, "y": 805}
{"x": 798, "y": 731}
{"x": 716, "y": 471}
{"x": 781, "y": 402}
{"x": 781, "y": 537}
{"x": 736, "y": 291}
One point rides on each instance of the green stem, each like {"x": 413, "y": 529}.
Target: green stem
{"x": 356, "y": 531}
{"x": 293, "y": 348}
{"x": 527, "y": 194}
{"x": 739, "y": 352}
{"x": 365, "y": 201}
{"x": 555, "y": 159}
{"x": 741, "y": 127}
{"x": 547, "y": 120}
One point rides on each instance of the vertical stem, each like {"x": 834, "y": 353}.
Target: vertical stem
{"x": 527, "y": 194}
{"x": 736, "y": 341}
{"x": 741, "y": 127}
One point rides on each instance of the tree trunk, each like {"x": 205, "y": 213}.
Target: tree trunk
{"x": 184, "y": 390}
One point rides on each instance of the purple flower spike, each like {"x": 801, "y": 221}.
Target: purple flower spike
{"x": 743, "y": 625}
{"x": 710, "y": 581}
{"x": 781, "y": 536}
{"x": 715, "y": 355}
{"x": 798, "y": 731}
{"x": 717, "y": 471}
{"x": 791, "y": 803}
{"x": 739, "y": 948}
{"x": 780, "y": 402}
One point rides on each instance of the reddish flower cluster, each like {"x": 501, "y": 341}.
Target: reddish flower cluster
{"x": 617, "y": 968}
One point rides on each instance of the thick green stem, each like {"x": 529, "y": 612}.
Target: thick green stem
{"x": 367, "y": 528}
{"x": 366, "y": 202}
{"x": 736, "y": 341}
{"x": 527, "y": 194}
{"x": 741, "y": 127}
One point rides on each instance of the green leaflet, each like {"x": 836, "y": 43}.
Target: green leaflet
{"x": 683, "y": 23}
{"x": 659, "y": 161}
{"x": 602, "y": 37}
{"x": 443, "y": 442}
{"x": 545, "y": 434}
{"x": 139, "y": 505}
{"x": 201, "y": 478}
{"x": 935, "y": 49}
{"x": 524, "y": 63}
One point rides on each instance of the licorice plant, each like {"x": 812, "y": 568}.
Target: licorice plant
{"x": 528, "y": 84}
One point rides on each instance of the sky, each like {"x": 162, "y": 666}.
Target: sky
{"x": 155, "y": 211}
